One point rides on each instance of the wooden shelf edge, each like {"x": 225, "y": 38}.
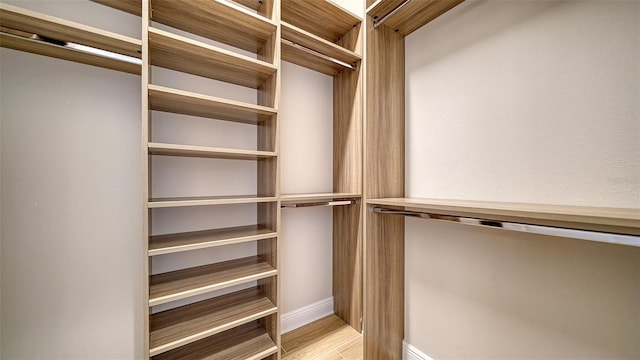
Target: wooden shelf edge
{"x": 412, "y": 15}
{"x": 193, "y": 240}
{"x": 16, "y": 18}
{"x": 133, "y": 7}
{"x": 187, "y": 324}
{"x": 156, "y": 203}
{"x": 318, "y": 44}
{"x": 293, "y": 198}
{"x": 165, "y": 149}
{"x": 181, "y": 284}
{"x": 189, "y": 103}
{"x": 323, "y": 18}
{"x": 614, "y": 220}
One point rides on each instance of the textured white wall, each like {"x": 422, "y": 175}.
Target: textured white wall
{"x": 527, "y": 102}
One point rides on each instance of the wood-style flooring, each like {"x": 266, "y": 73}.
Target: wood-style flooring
{"x": 326, "y": 339}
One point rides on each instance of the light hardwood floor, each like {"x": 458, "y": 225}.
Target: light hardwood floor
{"x": 329, "y": 338}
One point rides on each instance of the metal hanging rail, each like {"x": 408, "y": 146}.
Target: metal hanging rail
{"x": 521, "y": 227}
{"x": 319, "y": 203}
{"x": 382, "y": 20}
{"x": 318, "y": 54}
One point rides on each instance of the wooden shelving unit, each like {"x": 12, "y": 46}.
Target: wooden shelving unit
{"x": 182, "y": 54}
{"x": 184, "y": 283}
{"x": 46, "y": 35}
{"x": 194, "y": 240}
{"x": 184, "y": 325}
{"x": 188, "y": 103}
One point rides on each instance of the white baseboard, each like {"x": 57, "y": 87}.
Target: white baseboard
{"x": 305, "y": 315}
{"x": 412, "y": 353}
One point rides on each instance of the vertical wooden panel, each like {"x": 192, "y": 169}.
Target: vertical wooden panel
{"x": 384, "y": 177}
{"x": 146, "y": 170}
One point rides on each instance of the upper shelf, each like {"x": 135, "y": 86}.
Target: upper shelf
{"x": 182, "y": 54}
{"x": 131, "y": 6}
{"x": 314, "y": 52}
{"x": 299, "y": 198}
{"x": 208, "y": 200}
{"x": 59, "y": 38}
{"x": 218, "y": 20}
{"x": 612, "y": 220}
{"x": 323, "y": 18}
{"x": 410, "y": 15}
{"x": 207, "y": 152}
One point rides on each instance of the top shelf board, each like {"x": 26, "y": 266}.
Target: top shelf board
{"x": 612, "y": 220}
{"x": 323, "y": 18}
{"x": 130, "y": 6}
{"x": 410, "y": 16}
{"x": 31, "y": 22}
{"x": 217, "y": 20}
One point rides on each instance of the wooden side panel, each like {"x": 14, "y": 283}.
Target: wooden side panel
{"x": 348, "y": 87}
{"x": 146, "y": 171}
{"x": 384, "y": 177}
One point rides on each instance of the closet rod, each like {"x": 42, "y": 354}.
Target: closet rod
{"x": 322, "y": 203}
{"x": 534, "y": 229}
{"x": 382, "y": 20}
{"x": 318, "y": 54}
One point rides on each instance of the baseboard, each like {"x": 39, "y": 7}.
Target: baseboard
{"x": 305, "y": 315}
{"x": 412, "y": 353}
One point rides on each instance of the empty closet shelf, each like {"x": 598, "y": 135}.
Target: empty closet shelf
{"x": 321, "y": 17}
{"x": 186, "y": 324}
{"x": 207, "y": 152}
{"x": 46, "y": 35}
{"x": 610, "y": 220}
{"x": 221, "y": 21}
{"x": 246, "y": 342}
{"x": 172, "y": 243}
{"x": 176, "y": 285}
{"x": 182, "y": 54}
{"x": 194, "y": 104}
{"x": 406, "y": 16}
{"x": 131, "y": 6}
{"x": 208, "y": 200}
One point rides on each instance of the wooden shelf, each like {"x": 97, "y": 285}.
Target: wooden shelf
{"x": 245, "y": 342}
{"x": 207, "y": 152}
{"x": 221, "y": 21}
{"x": 20, "y": 25}
{"x": 413, "y": 15}
{"x": 318, "y": 45}
{"x": 299, "y": 198}
{"x": 207, "y": 200}
{"x": 614, "y": 220}
{"x": 186, "y": 324}
{"x": 176, "y": 285}
{"x": 179, "y": 53}
{"x": 188, "y": 103}
{"x": 323, "y": 18}
{"x": 172, "y": 243}
{"x": 131, "y": 6}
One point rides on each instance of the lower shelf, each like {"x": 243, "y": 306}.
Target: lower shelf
{"x": 245, "y": 342}
{"x": 187, "y": 324}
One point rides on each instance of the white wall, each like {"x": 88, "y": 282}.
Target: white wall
{"x": 526, "y": 102}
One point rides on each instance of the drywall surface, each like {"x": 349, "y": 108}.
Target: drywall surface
{"x": 526, "y": 102}
{"x": 306, "y": 154}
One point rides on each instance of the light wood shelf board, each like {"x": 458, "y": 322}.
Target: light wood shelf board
{"x": 413, "y": 15}
{"x": 172, "y": 243}
{"x": 194, "y": 104}
{"x": 624, "y": 221}
{"x": 179, "y": 53}
{"x": 218, "y": 20}
{"x": 323, "y": 18}
{"x": 316, "y": 43}
{"x": 294, "y": 198}
{"x": 245, "y": 342}
{"x": 251, "y": 4}
{"x": 59, "y": 29}
{"x": 180, "y": 284}
{"x": 303, "y": 58}
{"x": 186, "y": 324}
{"x": 207, "y": 201}
{"x": 65, "y": 53}
{"x": 207, "y": 152}
{"x": 131, "y": 6}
